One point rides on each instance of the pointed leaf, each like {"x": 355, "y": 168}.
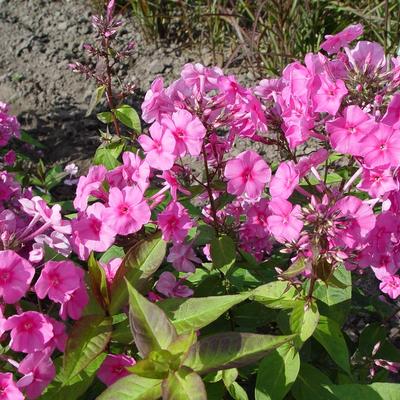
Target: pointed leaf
{"x": 223, "y": 252}
{"x": 277, "y": 373}
{"x": 87, "y": 340}
{"x": 194, "y": 313}
{"x": 328, "y": 333}
{"x": 184, "y": 385}
{"x": 237, "y": 392}
{"x": 304, "y": 319}
{"x": 150, "y": 326}
{"x": 95, "y": 99}
{"x": 129, "y": 117}
{"x": 231, "y": 350}
{"x": 276, "y": 294}
{"x": 98, "y": 282}
{"x": 375, "y": 391}
{"x": 133, "y": 387}
{"x": 295, "y": 269}
{"x": 140, "y": 262}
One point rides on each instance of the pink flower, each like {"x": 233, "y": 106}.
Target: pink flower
{"x": 156, "y": 102}
{"x": 367, "y": 57}
{"x": 30, "y": 331}
{"x": 390, "y": 284}
{"x": 90, "y": 232}
{"x": 159, "y": 147}
{"x": 110, "y": 268}
{"x": 10, "y": 157}
{"x": 201, "y": 78}
{"x": 284, "y": 181}
{"x": 16, "y": 274}
{"x": 74, "y": 306}
{"x": 127, "y": 211}
{"x": 182, "y": 257}
{"x": 8, "y": 389}
{"x": 382, "y": 147}
{"x": 174, "y": 222}
{"x": 247, "y": 174}
{"x": 170, "y": 287}
{"x": 392, "y": 115}
{"x": 57, "y": 281}
{"x": 39, "y": 371}
{"x": 347, "y": 132}
{"x": 187, "y": 130}
{"x": 333, "y": 43}
{"x": 60, "y": 337}
{"x": 89, "y": 185}
{"x": 377, "y": 182}
{"x": 328, "y": 94}
{"x": 284, "y": 222}
{"x": 113, "y": 368}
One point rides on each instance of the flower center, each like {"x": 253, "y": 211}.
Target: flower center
{"x": 27, "y": 326}
{"x": 123, "y": 208}
{"x": 180, "y": 133}
{"x": 5, "y": 276}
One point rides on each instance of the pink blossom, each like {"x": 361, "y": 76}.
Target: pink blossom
{"x": 333, "y": 43}
{"x": 183, "y": 257}
{"x": 57, "y": 281}
{"x": 247, "y": 174}
{"x": 305, "y": 163}
{"x": 110, "y": 268}
{"x": 74, "y": 306}
{"x": 367, "y": 57}
{"x": 89, "y": 185}
{"x": 392, "y": 115}
{"x": 56, "y": 241}
{"x": 230, "y": 89}
{"x": 159, "y": 147}
{"x": 187, "y": 130}
{"x": 60, "y": 337}
{"x": 377, "y": 182}
{"x": 156, "y": 102}
{"x": 170, "y": 287}
{"x": 90, "y": 232}
{"x": 328, "y": 94}
{"x": 9, "y": 125}
{"x": 113, "y": 368}
{"x": 39, "y": 371}
{"x": 127, "y": 211}
{"x": 172, "y": 183}
{"x": 30, "y": 331}
{"x": 382, "y": 147}
{"x": 174, "y": 222}
{"x": 16, "y": 274}
{"x": 284, "y": 181}
{"x": 284, "y": 221}
{"x": 390, "y": 284}
{"x": 10, "y": 157}
{"x": 347, "y": 133}
{"x": 8, "y": 389}
{"x": 201, "y": 78}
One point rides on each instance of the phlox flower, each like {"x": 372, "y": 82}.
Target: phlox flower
{"x": 367, "y": 57}
{"x": 174, "y": 222}
{"x": 56, "y": 241}
{"x": 156, "y": 102}
{"x": 16, "y": 274}
{"x": 392, "y": 115}
{"x": 346, "y": 133}
{"x": 89, "y": 185}
{"x": 39, "y": 371}
{"x": 110, "y": 268}
{"x": 230, "y": 89}
{"x": 60, "y": 337}
{"x": 257, "y": 216}
{"x": 172, "y": 183}
{"x": 305, "y": 163}
{"x": 284, "y": 221}
{"x": 30, "y": 331}
{"x": 159, "y": 147}
{"x": 182, "y": 257}
{"x": 284, "y": 181}
{"x": 390, "y": 284}
{"x": 201, "y": 78}
{"x": 8, "y": 389}
{"x": 127, "y": 211}
{"x": 10, "y": 157}
{"x": 187, "y": 130}
{"x": 328, "y": 94}
{"x": 382, "y": 147}
{"x": 377, "y": 182}
{"x": 90, "y": 232}
{"x": 58, "y": 280}
{"x": 333, "y": 43}
{"x": 170, "y": 287}
{"x": 247, "y": 174}
{"x": 113, "y": 368}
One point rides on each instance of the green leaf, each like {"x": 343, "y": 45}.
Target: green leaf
{"x": 375, "y": 391}
{"x": 27, "y": 138}
{"x": 277, "y": 373}
{"x": 98, "y": 282}
{"x": 133, "y": 387}
{"x": 276, "y": 294}
{"x": 184, "y": 385}
{"x": 223, "y": 252}
{"x": 111, "y": 253}
{"x": 295, "y": 269}
{"x": 87, "y": 340}
{"x": 237, "y": 392}
{"x": 140, "y": 262}
{"x": 231, "y": 350}
{"x": 194, "y": 313}
{"x": 229, "y": 376}
{"x": 182, "y": 344}
{"x": 328, "y": 333}
{"x": 129, "y": 117}
{"x": 95, "y": 99}
{"x": 108, "y": 155}
{"x": 156, "y": 366}
{"x": 54, "y": 177}
{"x": 150, "y": 326}
{"x": 304, "y": 319}
{"x": 105, "y": 117}
{"x": 309, "y": 384}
